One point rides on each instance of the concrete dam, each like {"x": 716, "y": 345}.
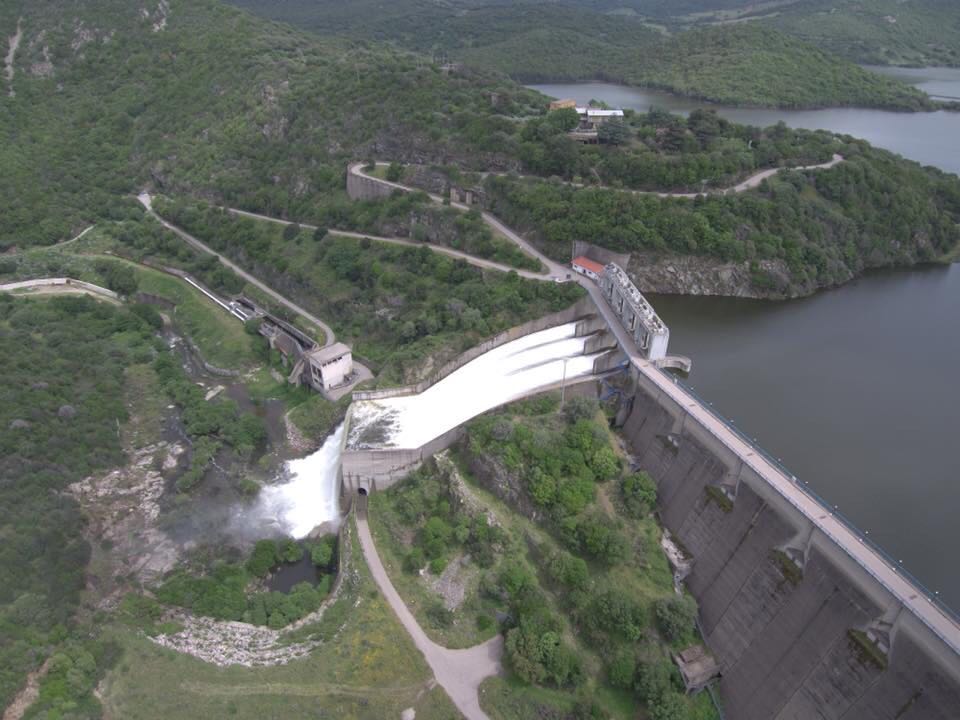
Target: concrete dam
{"x": 802, "y": 624}
{"x": 806, "y": 618}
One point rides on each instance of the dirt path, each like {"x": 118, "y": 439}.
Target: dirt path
{"x": 459, "y": 672}
{"x": 11, "y": 55}
{"x": 442, "y": 249}
{"x": 750, "y": 183}
{"x": 147, "y": 202}
{"x": 27, "y": 695}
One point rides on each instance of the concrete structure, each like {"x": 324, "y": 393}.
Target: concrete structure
{"x": 649, "y": 332}
{"x": 599, "y": 254}
{"x": 367, "y": 469}
{"x": 587, "y": 267}
{"x": 591, "y": 118}
{"x": 329, "y": 367}
{"x": 697, "y": 666}
{"x": 805, "y": 617}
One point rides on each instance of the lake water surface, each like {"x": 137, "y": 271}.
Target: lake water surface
{"x": 856, "y": 388}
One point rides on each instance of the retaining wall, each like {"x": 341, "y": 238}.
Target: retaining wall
{"x": 54, "y": 282}
{"x": 364, "y": 188}
{"x": 780, "y": 628}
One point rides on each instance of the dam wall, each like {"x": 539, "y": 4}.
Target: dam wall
{"x": 801, "y": 628}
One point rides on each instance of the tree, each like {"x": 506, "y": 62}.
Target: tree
{"x": 562, "y": 120}
{"x": 580, "y": 408}
{"x": 321, "y": 552}
{"x": 675, "y": 616}
{"x": 291, "y": 231}
{"x": 639, "y": 494}
{"x": 394, "y": 172}
{"x": 671, "y": 706}
{"x": 319, "y": 234}
{"x": 613, "y": 132}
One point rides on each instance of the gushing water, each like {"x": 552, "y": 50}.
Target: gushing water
{"x": 496, "y": 377}
{"x": 310, "y": 498}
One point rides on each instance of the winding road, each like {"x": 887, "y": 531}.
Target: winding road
{"x": 750, "y": 183}
{"x": 442, "y": 249}
{"x": 147, "y": 201}
{"x": 459, "y": 672}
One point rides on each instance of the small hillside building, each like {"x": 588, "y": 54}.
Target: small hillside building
{"x": 583, "y": 265}
{"x": 329, "y": 367}
{"x": 591, "y": 118}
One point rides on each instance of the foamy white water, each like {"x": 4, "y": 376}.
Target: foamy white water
{"x": 311, "y": 497}
{"x": 496, "y": 377}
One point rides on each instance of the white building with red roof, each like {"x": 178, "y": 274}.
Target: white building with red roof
{"x": 587, "y": 267}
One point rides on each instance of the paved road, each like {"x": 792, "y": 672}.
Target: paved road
{"x": 147, "y": 202}
{"x": 442, "y": 249}
{"x": 459, "y": 672}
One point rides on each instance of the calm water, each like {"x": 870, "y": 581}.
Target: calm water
{"x": 856, "y": 388}
{"x": 928, "y": 138}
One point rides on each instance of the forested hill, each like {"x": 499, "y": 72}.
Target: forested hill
{"x": 536, "y": 41}
{"x": 195, "y": 96}
{"x": 881, "y": 32}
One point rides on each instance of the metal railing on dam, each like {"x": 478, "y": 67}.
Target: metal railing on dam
{"x": 942, "y": 620}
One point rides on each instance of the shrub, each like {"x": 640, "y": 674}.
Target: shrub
{"x": 639, "y": 494}
{"x": 264, "y": 556}
{"x": 414, "y": 560}
{"x": 676, "y": 616}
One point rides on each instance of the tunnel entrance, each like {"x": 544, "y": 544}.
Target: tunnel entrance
{"x": 362, "y": 492}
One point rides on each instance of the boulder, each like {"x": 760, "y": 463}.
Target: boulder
{"x": 67, "y": 412}
{"x": 19, "y": 424}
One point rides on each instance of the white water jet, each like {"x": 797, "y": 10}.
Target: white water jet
{"x": 503, "y": 374}
{"x": 311, "y": 496}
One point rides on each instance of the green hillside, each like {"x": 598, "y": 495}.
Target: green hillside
{"x": 207, "y": 100}
{"x": 880, "y": 32}
{"x": 530, "y": 42}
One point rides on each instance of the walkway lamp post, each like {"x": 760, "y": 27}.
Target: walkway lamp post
{"x": 563, "y": 383}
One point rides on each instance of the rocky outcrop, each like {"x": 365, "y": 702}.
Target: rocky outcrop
{"x": 697, "y": 275}
{"x": 496, "y": 479}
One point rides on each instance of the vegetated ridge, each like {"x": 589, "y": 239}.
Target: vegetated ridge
{"x": 200, "y": 98}
{"x": 538, "y": 42}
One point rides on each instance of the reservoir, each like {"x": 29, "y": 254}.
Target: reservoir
{"x": 855, "y": 389}
{"x": 929, "y": 138}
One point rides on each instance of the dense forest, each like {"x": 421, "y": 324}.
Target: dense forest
{"x": 534, "y": 42}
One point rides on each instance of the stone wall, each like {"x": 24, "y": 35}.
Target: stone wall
{"x": 778, "y": 599}
{"x": 364, "y": 188}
